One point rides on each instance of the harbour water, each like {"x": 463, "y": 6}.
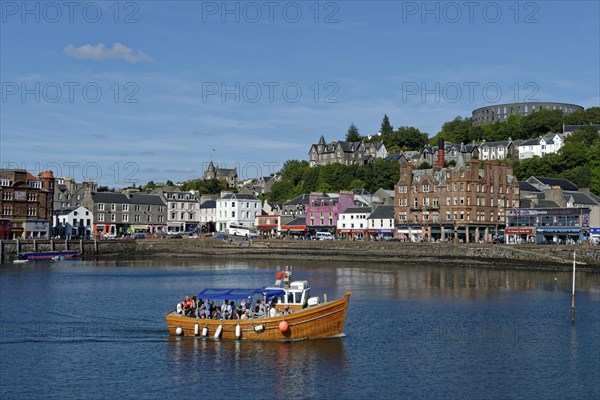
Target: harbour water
{"x": 96, "y": 329}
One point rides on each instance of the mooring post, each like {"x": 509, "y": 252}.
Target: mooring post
{"x": 66, "y": 244}
{"x": 52, "y": 244}
{"x": 18, "y": 245}
{"x": 1, "y": 251}
{"x": 573, "y": 294}
{"x": 35, "y": 246}
{"x": 96, "y": 244}
{"x": 81, "y": 246}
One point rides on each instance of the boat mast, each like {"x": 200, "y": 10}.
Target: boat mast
{"x": 573, "y": 293}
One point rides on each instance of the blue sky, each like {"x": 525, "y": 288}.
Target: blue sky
{"x": 133, "y": 91}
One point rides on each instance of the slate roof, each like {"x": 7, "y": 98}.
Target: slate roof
{"x": 528, "y": 187}
{"x": 302, "y": 199}
{"x": 547, "y": 204}
{"x": 382, "y": 212}
{"x": 149, "y": 199}
{"x": 579, "y": 197}
{"x": 297, "y": 221}
{"x": 209, "y": 204}
{"x": 109, "y": 197}
{"x": 562, "y": 183}
{"x": 357, "y": 210}
{"x": 239, "y": 196}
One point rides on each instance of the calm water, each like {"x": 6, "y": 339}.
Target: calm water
{"x": 77, "y": 330}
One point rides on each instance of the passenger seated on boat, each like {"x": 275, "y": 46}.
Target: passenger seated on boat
{"x": 194, "y": 306}
{"x": 262, "y": 309}
{"x": 187, "y": 306}
{"x": 245, "y": 314}
{"x": 202, "y": 311}
{"x": 272, "y": 311}
{"x": 226, "y": 310}
{"x": 216, "y": 314}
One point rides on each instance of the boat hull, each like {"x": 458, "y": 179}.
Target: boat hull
{"x": 49, "y": 255}
{"x": 322, "y": 321}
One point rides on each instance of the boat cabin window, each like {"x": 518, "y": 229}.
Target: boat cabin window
{"x": 290, "y": 298}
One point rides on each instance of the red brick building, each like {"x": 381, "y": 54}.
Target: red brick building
{"x": 462, "y": 203}
{"x": 25, "y": 204}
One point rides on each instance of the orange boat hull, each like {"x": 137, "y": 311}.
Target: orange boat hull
{"x": 322, "y": 321}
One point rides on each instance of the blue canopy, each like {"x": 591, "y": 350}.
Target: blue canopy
{"x": 238, "y": 294}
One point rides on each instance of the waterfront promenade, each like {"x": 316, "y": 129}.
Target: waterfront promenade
{"x": 517, "y": 256}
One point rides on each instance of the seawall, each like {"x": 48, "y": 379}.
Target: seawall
{"x": 520, "y": 256}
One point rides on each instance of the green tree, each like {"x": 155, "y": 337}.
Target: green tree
{"x": 353, "y": 135}
{"x": 358, "y": 184}
{"x": 386, "y": 127}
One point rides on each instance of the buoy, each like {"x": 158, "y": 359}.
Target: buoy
{"x": 205, "y": 331}
{"x": 283, "y": 326}
{"x": 179, "y": 331}
{"x": 218, "y": 332}
{"x": 238, "y": 331}
{"x": 196, "y": 329}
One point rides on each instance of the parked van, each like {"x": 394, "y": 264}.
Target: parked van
{"x": 324, "y": 236}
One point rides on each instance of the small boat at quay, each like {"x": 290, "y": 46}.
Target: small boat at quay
{"x": 48, "y": 255}
{"x": 296, "y": 314}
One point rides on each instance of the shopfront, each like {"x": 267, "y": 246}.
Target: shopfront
{"x": 519, "y": 235}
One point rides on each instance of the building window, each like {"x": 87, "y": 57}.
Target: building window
{"x": 7, "y": 196}
{"x": 101, "y": 217}
{"x": 136, "y": 218}
{"x": 113, "y": 217}
{"x": 125, "y": 207}
{"x": 125, "y": 217}
{"x": 100, "y": 206}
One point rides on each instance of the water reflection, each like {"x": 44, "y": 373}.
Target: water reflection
{"x": 423, "y": 282}
{"x": 290, "y": 367}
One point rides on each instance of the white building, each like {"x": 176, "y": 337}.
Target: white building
{"x": 208, "y": 213}
{"x": 381, "y": 222}
{"x": 499, "y": 150}
{"x": 352, "y": 223}
{"x": 183, "y": 211}
{"x": 74, "y": 222}
{"x": 547, "y": 144}
{"x": 237, "y": 209}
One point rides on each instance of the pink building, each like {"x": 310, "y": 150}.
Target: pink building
{"x": 323, "y": 210}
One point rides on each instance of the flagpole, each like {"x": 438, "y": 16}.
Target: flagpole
{"x": 573, "y": 293}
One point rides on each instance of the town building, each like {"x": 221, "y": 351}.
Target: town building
{"x": 208, "y": 216}
{"x": 74, "y": 222}
{"x": 380, "y": 223}
{"x": 26, "y": 204}
{"x": 323, "y": 210}
{"x": 460, "y": 203}
{"x": 148, "y": 213}
{"x": 547, "y": 225}
{"x": 268, "y": 225}
{"x": 110, "y": 213}
{"x": 499, "y": 150}
{"x": 547, "y": 144}
{"x": 183, "y": 209}
{"x": 345, "y": 153}
{"x": 352, "y": 223}
{"x": 238, "y": 210}
{"x": 452, "y": 152}
{"x": 229, "y": 175}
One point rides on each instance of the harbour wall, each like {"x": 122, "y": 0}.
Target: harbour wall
{"x": 520, "y": 256}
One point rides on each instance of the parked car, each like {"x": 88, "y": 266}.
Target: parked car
{"x": 139, "y": 236}
{"x": 499, "y": 239}
{"x": 219, "y": 236}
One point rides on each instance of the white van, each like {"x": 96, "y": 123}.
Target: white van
{"x": 324, "y": 236}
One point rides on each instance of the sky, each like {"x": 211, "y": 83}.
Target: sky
{"x": 132, "y": 91}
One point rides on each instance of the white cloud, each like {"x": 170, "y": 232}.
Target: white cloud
{"x": 101, "y": 52}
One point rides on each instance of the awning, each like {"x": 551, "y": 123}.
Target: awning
{"x": 238, "y": 294}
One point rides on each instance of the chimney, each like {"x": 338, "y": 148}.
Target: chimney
{"x": 440, "y": 159}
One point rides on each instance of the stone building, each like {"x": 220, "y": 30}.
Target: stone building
{"x": 346, "y": 153}
{"x": 461, "y": 203}
{"x": 501, "y": 112}
{"x": 214, "y": 172}
{"x": 26, "y": 204}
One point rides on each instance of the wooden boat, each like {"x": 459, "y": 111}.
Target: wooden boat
{"x": 308, "y": 318}
{"x": 49, "y": 255}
